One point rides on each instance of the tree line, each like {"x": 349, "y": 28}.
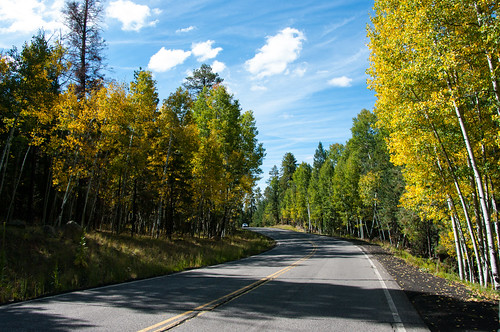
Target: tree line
{"x": 108, "y": 155}
{"x": 424, "y": 168}
{"x": 350, "y": 189}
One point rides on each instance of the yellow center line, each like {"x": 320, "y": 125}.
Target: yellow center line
{"x": 176, "y": 320}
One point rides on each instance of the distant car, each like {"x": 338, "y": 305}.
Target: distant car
{"x": 244, "y": 225}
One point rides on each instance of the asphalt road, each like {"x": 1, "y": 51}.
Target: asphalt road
{"x": 306, "y": 283}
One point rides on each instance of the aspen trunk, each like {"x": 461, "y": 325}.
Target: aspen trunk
{"x": 461, "y": 197}
{"x": 68, "y": 188}
{"x": 89, "y": 186}
{"x": 465, "y": 250}
{"x": 163, "y": 180}
{"x": 5, "y": 153}
{"x": 46, "y": 198}
{"x": 457, "y": 241}
{"x": 309, "y": 215}
{"x": 94, "y": 202}
{"x": 491, "y": 67}
{"x": 482, "y": 198}
{"x": 16, "y": 185}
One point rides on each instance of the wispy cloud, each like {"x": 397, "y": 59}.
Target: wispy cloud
{"x": 204, "y": 51}
{"x": 184, "y": 30}
{"x": 274, "y": 57}
{"x": 299, "y": 72}
{"x": 258, "y": 88}
{"x": 340, "y": 82}
{"x": 165, "y": 59}
{"x": 337, "y": 25}
{"x": 133, "y": 16}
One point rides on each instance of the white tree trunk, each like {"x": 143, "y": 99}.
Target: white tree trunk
{"x": 482, "y": 198}
{"x": 458, "y": 248}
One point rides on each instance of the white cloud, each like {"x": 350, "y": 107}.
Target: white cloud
{"x": 299, "y": 72}
{"x": 131, "y": 15}
{"x": 218, "y": 67}
{"x": 258, "y": 88}
{"x": 164, "y": 59}
{"x": 204, "y": 51}
{"x": 340, "y": 82}
{"x": 274, "y": 57}
{"x": 190, "y": 28}
{"x": 28, "y": 16}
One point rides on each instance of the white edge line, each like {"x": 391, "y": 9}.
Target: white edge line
{"x": 395, "y": 314}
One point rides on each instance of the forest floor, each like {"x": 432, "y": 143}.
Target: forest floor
{"x": 443, "y": 305}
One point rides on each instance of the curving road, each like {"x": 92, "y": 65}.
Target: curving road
{"x": 306, "y": 283}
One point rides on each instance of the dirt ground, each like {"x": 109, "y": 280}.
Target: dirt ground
{"x": 443, "y": 305}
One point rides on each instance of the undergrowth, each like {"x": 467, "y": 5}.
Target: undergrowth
{"x": 442, "y": 270}
{"x": 34, "y": 265}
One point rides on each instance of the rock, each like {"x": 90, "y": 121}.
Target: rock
{"x": 49, "y": 231}
{"x": 72, "y": 231}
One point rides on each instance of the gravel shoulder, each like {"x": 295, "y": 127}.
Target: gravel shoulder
{"x": 443, "y": 305}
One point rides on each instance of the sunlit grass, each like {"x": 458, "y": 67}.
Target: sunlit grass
{"x": 289, "y": 228}
{"x": 36, "y": 265}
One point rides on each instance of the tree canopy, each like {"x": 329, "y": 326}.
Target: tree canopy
{"x": 111, "y": 155}
{"x": 201, "y": 78}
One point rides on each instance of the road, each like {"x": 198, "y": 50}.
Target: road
{"x": 306, "y": 283}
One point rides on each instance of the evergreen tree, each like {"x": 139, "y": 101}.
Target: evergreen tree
{"x": 320, "y": 156}
{"x": 203, "y": 77}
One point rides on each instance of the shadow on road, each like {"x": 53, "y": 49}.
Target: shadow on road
{"x": 264, "y": 303}
{"x": 33, "y": 318}
{"x": 283, "y": 297}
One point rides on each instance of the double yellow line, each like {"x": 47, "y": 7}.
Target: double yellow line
{"x": 181, "y": 318}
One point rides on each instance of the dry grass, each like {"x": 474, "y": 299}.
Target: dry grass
{"x": 289, "y": 228}
{"x": 34, "y": 265}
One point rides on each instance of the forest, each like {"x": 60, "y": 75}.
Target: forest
{"x": 422, "y": 169}
{"x": 351, "y": 190}
{"x": 78, "y": 146}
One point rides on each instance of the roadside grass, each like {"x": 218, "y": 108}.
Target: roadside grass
{"x": 290, "y": 228}
{"x": 34, "y": 265}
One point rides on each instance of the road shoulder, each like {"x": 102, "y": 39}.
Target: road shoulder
{"x": 442, "y": 305}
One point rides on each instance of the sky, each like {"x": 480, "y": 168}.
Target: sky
{"x": 300, "y": 66}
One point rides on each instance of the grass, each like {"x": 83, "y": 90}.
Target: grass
{"x": 444, "y": 271}
{"x": 34, "y": 265}
{"x": 289, "y": 228}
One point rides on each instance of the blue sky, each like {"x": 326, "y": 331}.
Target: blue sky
{"x": 298, "y": 65}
